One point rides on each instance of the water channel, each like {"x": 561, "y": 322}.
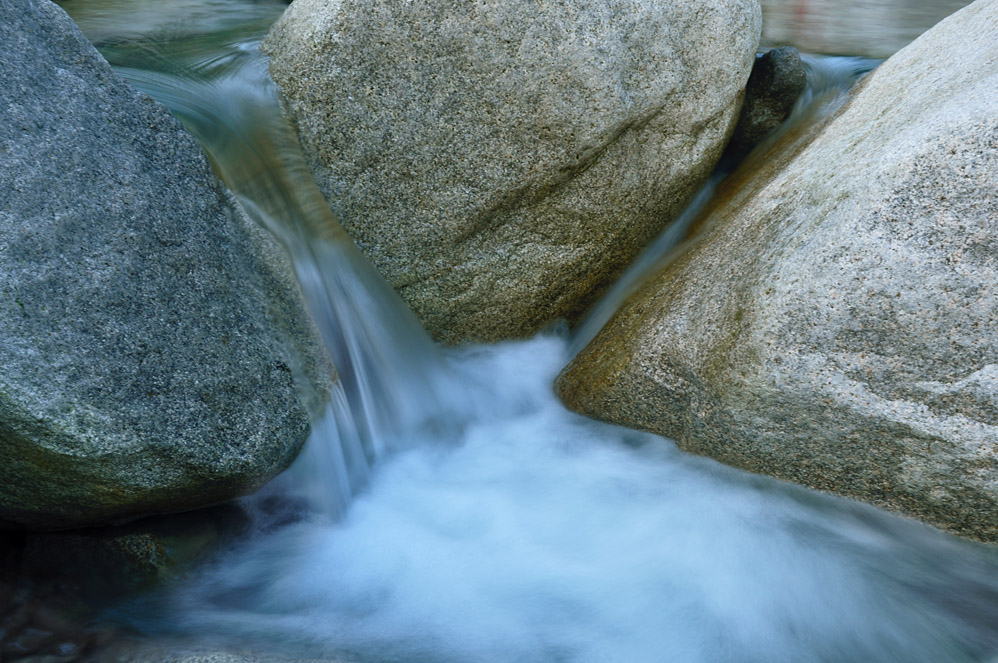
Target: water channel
{"x": 457, "y": 512}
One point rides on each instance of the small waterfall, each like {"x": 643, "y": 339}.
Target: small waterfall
{"x": 828, "y": 82}
{"x": 531, "y": 534}
{"x": 394, "y": 386}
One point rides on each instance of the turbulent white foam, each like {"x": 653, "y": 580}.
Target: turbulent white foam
{"x": 544, "y": 536}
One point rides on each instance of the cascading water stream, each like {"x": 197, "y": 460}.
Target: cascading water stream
{"x": 828, "y": 83}
{"x": 532, "y": 534}
{"x": 392, "y": 381}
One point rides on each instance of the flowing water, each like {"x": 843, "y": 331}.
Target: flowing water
{"x": 393, "y": 386}
{"x": 496, "y": 525}
{"x": 828, "y": 83}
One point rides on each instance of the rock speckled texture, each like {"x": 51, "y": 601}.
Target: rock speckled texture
{"x": 501, "y": 162}
{"x": 837, "y": 325}
{"x": 150, "y": 333}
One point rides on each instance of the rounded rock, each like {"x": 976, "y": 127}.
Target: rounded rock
{"x": 837, "y": 323}
{"x": 501, "y": 162}
{"x": 151, "y": 333}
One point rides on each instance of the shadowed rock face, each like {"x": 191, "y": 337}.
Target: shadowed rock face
{"x": 777, "y": 80}
{"x": 151, "y": 334}
{"x": 837, "y": 323}
{"x": 500, "y": 162}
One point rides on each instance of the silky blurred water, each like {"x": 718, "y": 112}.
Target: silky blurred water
{"x": 544, "y": 536}
{"x": 828, "y": 82}
{"x": 391, "y": 378}
{"x": 454, "y": 511}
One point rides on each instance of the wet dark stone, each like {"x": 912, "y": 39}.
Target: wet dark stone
{"x": 16, "y": 619}
{"x": 68, "y": 649}
{"x": 6, "y": 598}
{"x": 106, "y": 564}
{"x": 777, "y": 80}
{"x": 27, "y": 641}
{"x": 43, "y": 617}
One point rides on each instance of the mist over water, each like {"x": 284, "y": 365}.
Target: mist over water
{"x": 544, "y": 536}
{"x": 454, "y": 511}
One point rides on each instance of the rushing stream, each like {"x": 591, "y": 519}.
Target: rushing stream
{"x": 496, "y": 525}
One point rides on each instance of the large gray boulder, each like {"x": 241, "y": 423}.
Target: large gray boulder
{"x": 837, "y": 324}
{"x": 150, "y": 335}
{"x": 501, "y": 162}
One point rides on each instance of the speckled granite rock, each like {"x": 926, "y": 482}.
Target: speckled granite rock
{"x": 500, "y": 162}
{"x": 150, "y": 333}
{"x": 837, "y": 326}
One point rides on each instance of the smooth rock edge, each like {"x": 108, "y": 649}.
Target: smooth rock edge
{"x": 501, "y": 162}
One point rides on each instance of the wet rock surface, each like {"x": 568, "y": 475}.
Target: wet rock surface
{"x": 836, "y": 324}
{"x": 777, "y": 80}
{"x": 108, "y": 563}
{"x": 501, "y": 162}
{"x": 851, "y": 27}
{"x": 152, "y": 335}
{"x": 69, "y": 597}
{"x": 146, "y": 651}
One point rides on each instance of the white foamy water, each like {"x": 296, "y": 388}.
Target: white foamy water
{"x": 544, "y": 536}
